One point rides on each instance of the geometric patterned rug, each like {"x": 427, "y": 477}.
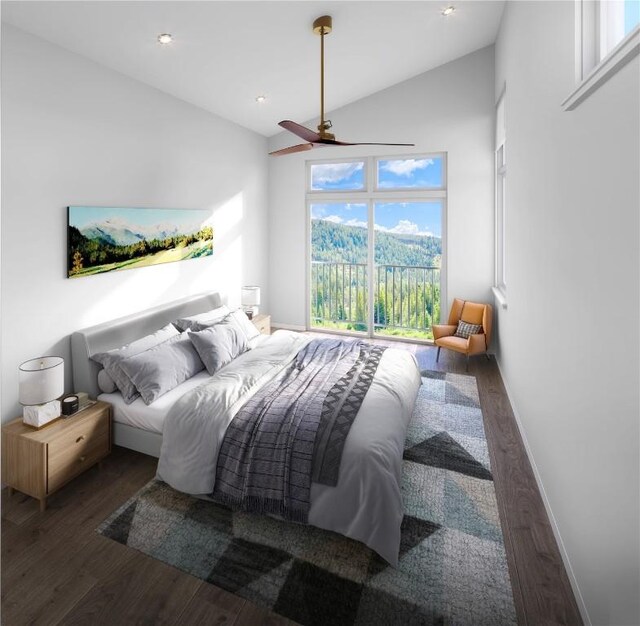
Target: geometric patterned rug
{"x": 452, "y": 570}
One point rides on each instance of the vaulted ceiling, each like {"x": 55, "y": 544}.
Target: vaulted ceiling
{"x": 225, "y": 54}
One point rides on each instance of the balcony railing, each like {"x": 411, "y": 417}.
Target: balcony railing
{"x": 406, "y": 299}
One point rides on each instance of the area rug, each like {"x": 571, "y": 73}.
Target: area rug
{"x": 452, "y": 569}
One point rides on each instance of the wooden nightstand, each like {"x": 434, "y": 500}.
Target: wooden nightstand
{"x": 263, "y": 323}
{"x": 39, "y": 462}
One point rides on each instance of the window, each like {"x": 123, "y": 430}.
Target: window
{"x": 616, "y": 19}
{"x": 338, "y": 176}
{"x": 607, "y": 37}
{"x": 376, "y": 232}
{"x": 410, "y": 173}
{"x": 500, "y": 283}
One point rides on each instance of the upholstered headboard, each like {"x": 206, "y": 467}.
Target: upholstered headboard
{"x": 109, "y": 335}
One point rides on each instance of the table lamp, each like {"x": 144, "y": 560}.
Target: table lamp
{"x": 250, "y": 300}
{"x": 40, "y": 384}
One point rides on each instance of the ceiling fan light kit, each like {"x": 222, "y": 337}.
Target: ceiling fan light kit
{"x": 322, "y": 26}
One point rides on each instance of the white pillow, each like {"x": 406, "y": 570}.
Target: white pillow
{"x": 205, "y": 319}
{"x": 247, "y": 326}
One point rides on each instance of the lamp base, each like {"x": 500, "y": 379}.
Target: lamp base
{"x": 39, "y": 415}
{"x": 251, "y": 311}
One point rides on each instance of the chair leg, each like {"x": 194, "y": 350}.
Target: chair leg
{"x": 487, "y": 355}
{"x": 467, "y": 362}
{"x": 438, "y": 354}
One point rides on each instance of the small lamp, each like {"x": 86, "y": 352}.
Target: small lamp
{"x": 250, "y": 300}
{"x": 40, "y": 384}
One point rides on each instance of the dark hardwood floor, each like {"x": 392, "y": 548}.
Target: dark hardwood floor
{"x": 57, "y": 570}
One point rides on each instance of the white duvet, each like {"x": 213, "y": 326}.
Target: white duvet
{"x": 366, "y": 505}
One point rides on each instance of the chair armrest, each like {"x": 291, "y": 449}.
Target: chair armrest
{"x": 443, "y": 330}
{"x": 477, "y": 343}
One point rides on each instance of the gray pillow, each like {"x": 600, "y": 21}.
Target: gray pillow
{"x": 239, "y": 319}
{"x": 112, "y": 359}
{"x": 208, "y": 318}
{"x": 105, "y": 382}
{"x": 219, "y": 344}
{"x": 161, "y": 369}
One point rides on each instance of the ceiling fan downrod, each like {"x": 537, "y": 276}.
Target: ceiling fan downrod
{"x": 322, "y": 26}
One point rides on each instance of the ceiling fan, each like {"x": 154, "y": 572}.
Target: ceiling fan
{"x": 321, "y": 26}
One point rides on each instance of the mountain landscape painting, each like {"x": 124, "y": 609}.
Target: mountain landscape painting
{"x": 104, "y": 239}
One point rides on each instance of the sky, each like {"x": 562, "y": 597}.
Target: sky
{"x": 421, "y": 173}
{"x": 417, "y": 218}
{"x": 631, "y": 15}
{"x": 84, "y": 216}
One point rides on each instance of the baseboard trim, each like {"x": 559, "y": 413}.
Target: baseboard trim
{"x": 582, "y": 607}
{"x": 277, "y": 325}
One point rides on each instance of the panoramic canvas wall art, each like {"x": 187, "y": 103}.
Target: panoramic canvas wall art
{"x": 104, "y": 239}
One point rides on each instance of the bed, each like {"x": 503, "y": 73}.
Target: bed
{"x": 186, "y": 427}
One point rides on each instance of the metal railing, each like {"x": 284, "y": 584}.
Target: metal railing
{"x": 405, "y": 297}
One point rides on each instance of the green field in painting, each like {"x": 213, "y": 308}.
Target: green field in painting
{"x": 180, "y": 253}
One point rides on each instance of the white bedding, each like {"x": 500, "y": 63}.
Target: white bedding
{"x": 366, "y": 505}
{"x": 151, "y": 417}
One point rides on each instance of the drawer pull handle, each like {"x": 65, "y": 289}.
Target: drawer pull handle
{"x": 81, "y": 459}
{"x": 80, "y": 438}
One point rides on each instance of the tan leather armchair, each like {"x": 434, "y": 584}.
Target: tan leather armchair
{"x": 472, "y": 313}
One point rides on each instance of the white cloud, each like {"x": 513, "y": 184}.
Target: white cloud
{"x": 336, "y": 219}
{"x": 405, "y": 167}
{"x": 405, "y": 227}
{"x": 334, "y": 172}
{"x": 357, "y": 223}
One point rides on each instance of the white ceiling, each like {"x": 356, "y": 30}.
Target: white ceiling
{"x": 224, "y": 54}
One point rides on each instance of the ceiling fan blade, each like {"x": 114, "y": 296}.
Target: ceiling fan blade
{"x": 335, "y": 142}
{"x": 301, "y": 131}
{"x": 301, "y": 147}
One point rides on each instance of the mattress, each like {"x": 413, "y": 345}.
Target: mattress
{"x": 151, "y": 417}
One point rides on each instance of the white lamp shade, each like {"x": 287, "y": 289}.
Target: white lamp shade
{"x": 41, "y": 380}
{"x": 250, "y": 295}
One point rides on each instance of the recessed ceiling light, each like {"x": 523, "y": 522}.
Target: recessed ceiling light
{"x": 165, "y": 38}
{"x": 450, "y": 10}
{"x": 260, "y": 99}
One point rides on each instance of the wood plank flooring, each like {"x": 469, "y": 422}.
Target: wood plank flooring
{"x": 57, "y": 570}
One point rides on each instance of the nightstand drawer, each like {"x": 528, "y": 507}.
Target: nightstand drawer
{"x": 71, "y": 461}
{"x": 78, "y": 437}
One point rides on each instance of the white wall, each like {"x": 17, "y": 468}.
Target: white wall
{"x": 448, "y": 109}
{"x": 76, "y": 133}
{"x": 568, "y": 342}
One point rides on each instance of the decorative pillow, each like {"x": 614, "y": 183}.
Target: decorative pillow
{"x": 206, "y": 319}
{"x": 161, "y": 369}
{"x": 245, "y": 324}
{"x": 466, "y": 330}
{"x": 111, "y": 360}
{"x": 219, "y": 344}
{"x": 105, "y": 382}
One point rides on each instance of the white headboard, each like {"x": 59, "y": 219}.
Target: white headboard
{"x": 109, "y": 335}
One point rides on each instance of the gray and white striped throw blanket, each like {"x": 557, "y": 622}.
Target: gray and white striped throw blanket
{"x": 292, "y": 432}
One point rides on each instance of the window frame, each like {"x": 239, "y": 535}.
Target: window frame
{"x": 365, "y": 169}
{"x": 438, "y": 155}
{"x": 500, "y": 212}
{"x": 369, "y": 196}
{"x": 596, "y": 61}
